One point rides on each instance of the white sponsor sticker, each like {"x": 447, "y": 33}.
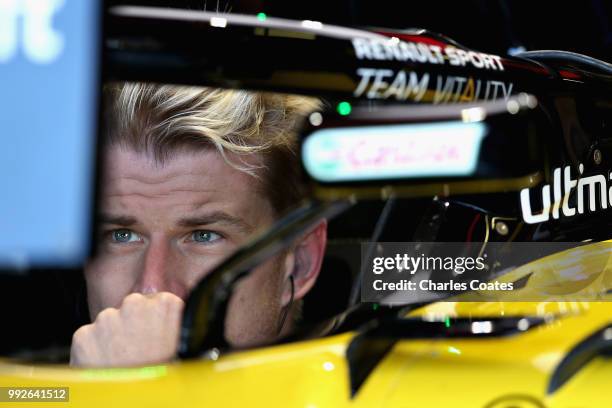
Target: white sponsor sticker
{"x": 393, "y": 151}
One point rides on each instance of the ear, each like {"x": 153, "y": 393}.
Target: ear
{"x": 304, "y": 263}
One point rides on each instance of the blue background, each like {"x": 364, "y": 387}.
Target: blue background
{"x": 47, "y": 140}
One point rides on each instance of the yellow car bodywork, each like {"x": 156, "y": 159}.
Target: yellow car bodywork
{"x": 508, "y": 371}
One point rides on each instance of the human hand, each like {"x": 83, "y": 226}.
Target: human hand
{"x": 144, "y": 330}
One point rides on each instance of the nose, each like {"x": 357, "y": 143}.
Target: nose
{"x": 161, "y": 269}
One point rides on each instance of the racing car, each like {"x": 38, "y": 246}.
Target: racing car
{"x": 423, "y": 141}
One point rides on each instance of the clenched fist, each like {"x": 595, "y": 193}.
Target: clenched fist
{"x": 144, "y": 330}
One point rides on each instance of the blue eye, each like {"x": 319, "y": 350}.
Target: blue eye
{"x": 124, "y": 236}
{"x": 204, "y": 236}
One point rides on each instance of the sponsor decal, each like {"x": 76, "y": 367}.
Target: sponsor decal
{"x": 29, "y": 23}
{"x": 404, "y": 85}
{"x": 394, "y": 49}
{"x": 555, "y": 203}
{"x": 393, "y": 151}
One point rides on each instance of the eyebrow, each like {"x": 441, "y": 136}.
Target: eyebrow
{"x": 216, "y": 217}
{"x": 123, "y": 220}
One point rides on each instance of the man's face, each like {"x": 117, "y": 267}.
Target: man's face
{"x": 163, "y": 227}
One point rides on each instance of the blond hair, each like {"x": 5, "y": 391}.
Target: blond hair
{"x": 162, "y": 120}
